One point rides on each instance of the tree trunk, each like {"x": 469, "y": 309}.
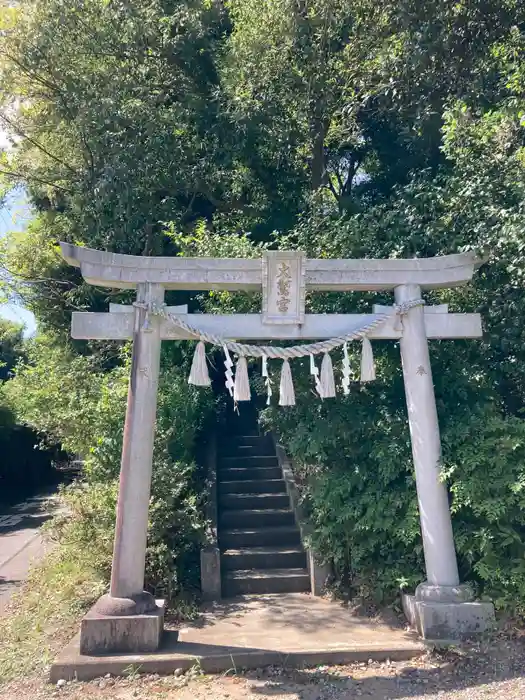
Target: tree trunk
{"x": 318, "y": 169}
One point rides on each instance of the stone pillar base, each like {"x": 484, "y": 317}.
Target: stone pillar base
{"x": 102, "y": 634}
{"x": 448, "y": 621}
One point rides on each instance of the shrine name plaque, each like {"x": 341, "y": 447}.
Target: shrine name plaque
{"x": 283, "y": 287}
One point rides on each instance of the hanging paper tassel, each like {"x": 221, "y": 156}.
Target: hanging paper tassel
{"x": 241, "y": 391}
{"x": 199, "y": 369}
{"x": 286, "y": 390}
{"x": 228, "y": 363}
{"x": 267, "y": 379}
{"x": 315, "y": 373}
{"x": 368, "y": 370}
{"x": 327, "y": 378}
{"x": 345, "y": 382}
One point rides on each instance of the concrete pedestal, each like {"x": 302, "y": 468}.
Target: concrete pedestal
{"x": 103, "y": 634}
{"x": 446, "y": 613}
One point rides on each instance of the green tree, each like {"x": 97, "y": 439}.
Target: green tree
{"x": 11, "y": 346}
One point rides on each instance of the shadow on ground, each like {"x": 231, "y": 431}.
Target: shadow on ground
{"x": 6, "y": 583}
{"x": 501, "y": 661}
{"x": 30, "y": 515}
{"x": 298, "y": 611}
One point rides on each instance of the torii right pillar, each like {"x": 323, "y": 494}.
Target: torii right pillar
{"x": 441, "y": 609}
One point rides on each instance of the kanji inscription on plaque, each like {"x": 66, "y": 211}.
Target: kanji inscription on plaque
{"x": 283, "y": 287}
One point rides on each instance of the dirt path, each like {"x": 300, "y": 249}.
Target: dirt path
{"x": 495, "y": 671}
{"x": 21, "y": 542}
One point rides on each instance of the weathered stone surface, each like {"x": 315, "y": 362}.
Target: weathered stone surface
{"x": 211, "y": 573}
{"x": 431, "y": 593}
{"x": 129, "y": 550}
{"x": 448, "y": 622}
{"x": 138, "y": 604}
{"x": 119, "y": 326}
{"x": 319, "y": 574}
{"x": 126, "y": 271}
{"x": 434, "y": 514}
{"x": 283, "y": 287}
{"x": 211, "y": 588}
{"x": 291, "y": 629}
{"x": 103, "y": 634}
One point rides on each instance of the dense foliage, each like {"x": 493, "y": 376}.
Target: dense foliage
{"x": 344, "y": 129}
{"x": 11, "y": 347}
{"x": 24, "y": 468}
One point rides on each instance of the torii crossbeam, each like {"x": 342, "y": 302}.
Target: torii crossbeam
{"x": 441, "y": 606}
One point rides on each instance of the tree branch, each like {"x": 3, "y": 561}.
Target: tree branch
{"x": 350, "y": 176}
{"x": 330, "y": 186}
{"x": 339, "y": 180}
{"x": 238, "y": 203}
{"x": 54, "y": 88}
{"x": 32, "y": 74}
{"x": 35, "y": 143}
{"x": 21, "y": 176}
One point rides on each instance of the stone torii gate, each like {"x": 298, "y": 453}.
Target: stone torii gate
{"x": 129, "y": 619}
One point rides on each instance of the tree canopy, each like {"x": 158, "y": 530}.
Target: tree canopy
{"x": 127, "y": 115}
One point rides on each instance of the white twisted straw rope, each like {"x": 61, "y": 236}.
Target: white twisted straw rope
{"x": 403, "y": 308}
{"x": 271, "y": 351}
{"x": 275, "y": 352}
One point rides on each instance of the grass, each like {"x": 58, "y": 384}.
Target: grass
{"x": 45, "y": 613}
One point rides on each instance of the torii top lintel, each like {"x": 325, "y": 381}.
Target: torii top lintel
{"x": 120, "y": 271}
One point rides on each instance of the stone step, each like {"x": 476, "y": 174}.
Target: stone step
{"x": 259, "y": 537}
{"x": 245, "y": 582}
{"x": 262, "y": 448}
{"x": 248, "y": 462}
{"x": 250, "y": 474}
{"x": 249, "y": 486}
{"x": 254, "y": 439}
{"x": 257, "y": 501}
{"x": 263, "y": 558}
{"x": 238, "y": 441}
{"x": 238, "y": 519}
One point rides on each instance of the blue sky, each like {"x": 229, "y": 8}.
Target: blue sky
{"x": 14, "y": 216}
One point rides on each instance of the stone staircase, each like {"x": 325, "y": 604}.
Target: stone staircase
{"x": 260, "y": 544}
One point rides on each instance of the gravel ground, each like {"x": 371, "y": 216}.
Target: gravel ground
{"x": 495, "y": 670}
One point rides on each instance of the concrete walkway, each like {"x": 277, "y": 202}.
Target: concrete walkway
{"x": 292, "y": 629}
{"x": 21, "y": 542}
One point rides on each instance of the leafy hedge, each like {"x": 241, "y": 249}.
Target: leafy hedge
{"x": 354, "y": 462}
{"x": 24, "y": 468}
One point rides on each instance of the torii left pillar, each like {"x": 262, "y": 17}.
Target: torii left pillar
{"x": 129, "y": 619}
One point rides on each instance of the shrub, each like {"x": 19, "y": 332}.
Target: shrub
{"x": 354, "y": 464}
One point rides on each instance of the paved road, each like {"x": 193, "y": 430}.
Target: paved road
{"x": 21, "y": 542}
